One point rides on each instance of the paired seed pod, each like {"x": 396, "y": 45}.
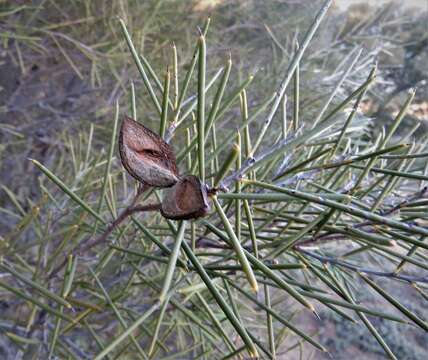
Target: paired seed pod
{"x": 187, "y": 199}
{"x": 146, "y": 156}
{"x": 150, "y": 160}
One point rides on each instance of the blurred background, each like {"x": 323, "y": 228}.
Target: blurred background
{"x": 63, "y": 65}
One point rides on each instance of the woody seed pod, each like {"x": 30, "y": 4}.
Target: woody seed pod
{"x": 146, "y": 156}
{"x": 187, "y": 199}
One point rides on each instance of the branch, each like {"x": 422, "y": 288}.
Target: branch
{"x": 89, "y": 243}
{"x": 252, "y": 161}
{"x": 335, "y": 261}
{"x": 126, "y": 213}
{"x": 332, "y": 236}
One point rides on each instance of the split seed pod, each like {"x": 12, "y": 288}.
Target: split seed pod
{"x": 146, "y": 156}
{"x": 187, "y": 199}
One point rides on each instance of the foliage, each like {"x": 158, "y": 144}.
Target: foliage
{"x": 303, "y": 215}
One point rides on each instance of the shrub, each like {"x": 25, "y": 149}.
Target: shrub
{"x": 246, "y": 230}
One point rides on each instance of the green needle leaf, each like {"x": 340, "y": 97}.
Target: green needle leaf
{"x": 237, "y": 246}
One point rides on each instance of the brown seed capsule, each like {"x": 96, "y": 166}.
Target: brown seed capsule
{"x": 187, "y": 199}
{"x": 145, "y": 155}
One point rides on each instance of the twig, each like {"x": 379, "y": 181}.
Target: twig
{"x": 89, "y": 243}
{"x": 335, "y": 261}
{"x": 416, "y": 196}
{"x": 113, "y": 225}
{"x": 331, "y": 236}
{"x": 249, "y": 163}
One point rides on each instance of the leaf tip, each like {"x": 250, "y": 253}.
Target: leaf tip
{"x": 255, "y": 287}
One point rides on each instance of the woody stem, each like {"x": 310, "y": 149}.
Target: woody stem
{"x": 128, "y": 211}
